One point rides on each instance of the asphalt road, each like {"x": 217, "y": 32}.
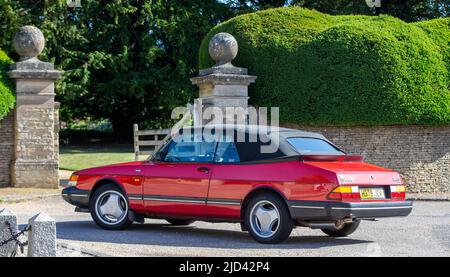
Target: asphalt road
{"x": 426, "y": 232}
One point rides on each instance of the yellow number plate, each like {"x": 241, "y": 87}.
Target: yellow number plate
{"x": 372, "y": 193}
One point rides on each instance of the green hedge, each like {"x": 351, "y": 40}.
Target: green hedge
{"x": 439, "y": 31}
{"x": 343, "y": 70}
{"x": 6, "y": 93}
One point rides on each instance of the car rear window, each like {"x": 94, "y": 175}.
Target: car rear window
{"x": 307, "y": 146}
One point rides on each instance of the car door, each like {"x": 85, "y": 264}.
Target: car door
{"x": 237, "y": 171}
{"x": 178, "y": 183}
{"x": 226, "y": 188}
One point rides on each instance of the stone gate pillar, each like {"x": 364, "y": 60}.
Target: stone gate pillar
{"x": 222, "y": 85}
{"x": 35, "y": 161}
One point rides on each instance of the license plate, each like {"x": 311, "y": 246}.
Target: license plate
{"x": 372, "y": 193}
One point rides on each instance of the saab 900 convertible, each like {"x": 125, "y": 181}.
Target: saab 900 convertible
{"x": 306, "y": 181}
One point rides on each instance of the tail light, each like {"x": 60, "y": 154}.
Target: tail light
{"x": 73, "y": 181}
{"x": 344, "y": 192}
{"x": 398, "y": 192}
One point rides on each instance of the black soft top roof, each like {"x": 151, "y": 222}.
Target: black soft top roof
{"x": 272, "y": 131}
{"x": 252, "y": 129}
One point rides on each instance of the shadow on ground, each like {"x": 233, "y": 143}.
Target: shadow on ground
{"x": 188, "y": 236}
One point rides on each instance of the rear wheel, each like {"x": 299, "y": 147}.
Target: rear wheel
{"x": 109, "y": 208}
{"x": 180, "y": 222}
{"x": 346, "y": 230}
{"x": 267, "y": 219}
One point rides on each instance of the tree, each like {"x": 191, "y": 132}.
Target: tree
{"x": 130, "y": 60}
{"x": 245, "y": 6}
{"x": 125, "y": 60}
{"x": 415, "y": 10}
{"x": 336, "y": 6}
{"x": 411, "y": 10}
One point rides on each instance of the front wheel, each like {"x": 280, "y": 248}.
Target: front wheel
{"x": 267, "y": 219}
{"x": 109, "y": 208}
{"x": 346, "y": 230}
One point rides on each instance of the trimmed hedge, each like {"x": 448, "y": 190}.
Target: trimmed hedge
{"x": 439, "y": 31}
{"x": 343, "y": 70}
{"x": 7, "y": 99}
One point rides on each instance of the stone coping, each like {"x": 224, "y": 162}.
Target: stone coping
{"x": 41, "y": 74}
{"x": 224, "y": 79}
{"x": 223, "y": 70}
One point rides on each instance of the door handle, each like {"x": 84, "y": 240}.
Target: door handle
{"x": 203, "y": 169}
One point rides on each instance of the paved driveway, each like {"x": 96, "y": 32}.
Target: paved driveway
{"x": 424, "y": 233}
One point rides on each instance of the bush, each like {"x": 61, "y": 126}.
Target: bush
{"x": 343, "y": 70}
{"x": 6, "y": 93}
{"x": 439, "y": 31}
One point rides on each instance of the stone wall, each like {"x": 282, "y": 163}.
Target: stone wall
{"x": 420, "y": 153}
{"x": 56, "y": 130}
{"x": 7, "y": 141}
{"x": 6, "y": 148}
{"x": 35, "y": 164}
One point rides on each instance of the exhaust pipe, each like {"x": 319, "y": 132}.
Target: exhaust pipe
{"x": 323, "y": 225}
{"x": 333, "y": 225}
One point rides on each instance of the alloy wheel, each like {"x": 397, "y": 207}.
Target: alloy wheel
{"x": 264, "y": 219}
{"x": 111, "y": 207}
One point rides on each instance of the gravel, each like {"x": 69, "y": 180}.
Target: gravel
{"x": 423, "y": 233}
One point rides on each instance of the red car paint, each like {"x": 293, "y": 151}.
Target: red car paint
{"x": 305, "y": 181}
{"x": 295, "y": 180}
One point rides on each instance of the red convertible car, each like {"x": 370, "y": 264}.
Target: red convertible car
{"x": 307, "y": 181}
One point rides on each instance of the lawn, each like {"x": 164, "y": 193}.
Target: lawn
{"x": 79, "y": 157}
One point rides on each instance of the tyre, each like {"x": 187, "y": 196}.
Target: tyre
{"x": 346, "y": 230}
{"x": 109, "y": 208}
{"x": 267, "y": 218}
{"x": 180, "y": 222}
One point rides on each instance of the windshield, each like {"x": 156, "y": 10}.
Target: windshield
{"x": 310, "y": 146}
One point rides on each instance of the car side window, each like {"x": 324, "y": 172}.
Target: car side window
{"x": 188, "y": 149}
{"x": 251, "y": 151}
{"x": 226, "y": 152}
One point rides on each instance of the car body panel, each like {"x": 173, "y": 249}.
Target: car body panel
{"x": 181, "y": 190}
{"x": 176, "y": 188}
{"x": 185, "y": 189}
{"x": 292, "y": 180}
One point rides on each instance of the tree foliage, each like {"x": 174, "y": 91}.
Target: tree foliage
{"x": 6, "y": 92}
{"x": 343, "y": 70}
{"x": 130, "y": 60}
{"x": 407, "y": 10}
{"x": 125, "y": 60}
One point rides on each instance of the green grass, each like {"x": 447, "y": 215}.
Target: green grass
{"x": 79, "y": 157}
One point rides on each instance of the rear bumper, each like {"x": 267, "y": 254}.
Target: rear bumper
{"x": 76, "y": 197}
{"x": 328, "y": 210}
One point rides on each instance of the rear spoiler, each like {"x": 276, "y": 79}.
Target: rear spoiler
{"x": 322, "y": 158}
{"x": 310, "y": 158}
{"x": 332, "y": 158}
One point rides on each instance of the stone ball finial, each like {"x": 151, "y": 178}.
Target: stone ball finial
{"x": 28, "y": 42}
{"x": 223, "y": 48}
